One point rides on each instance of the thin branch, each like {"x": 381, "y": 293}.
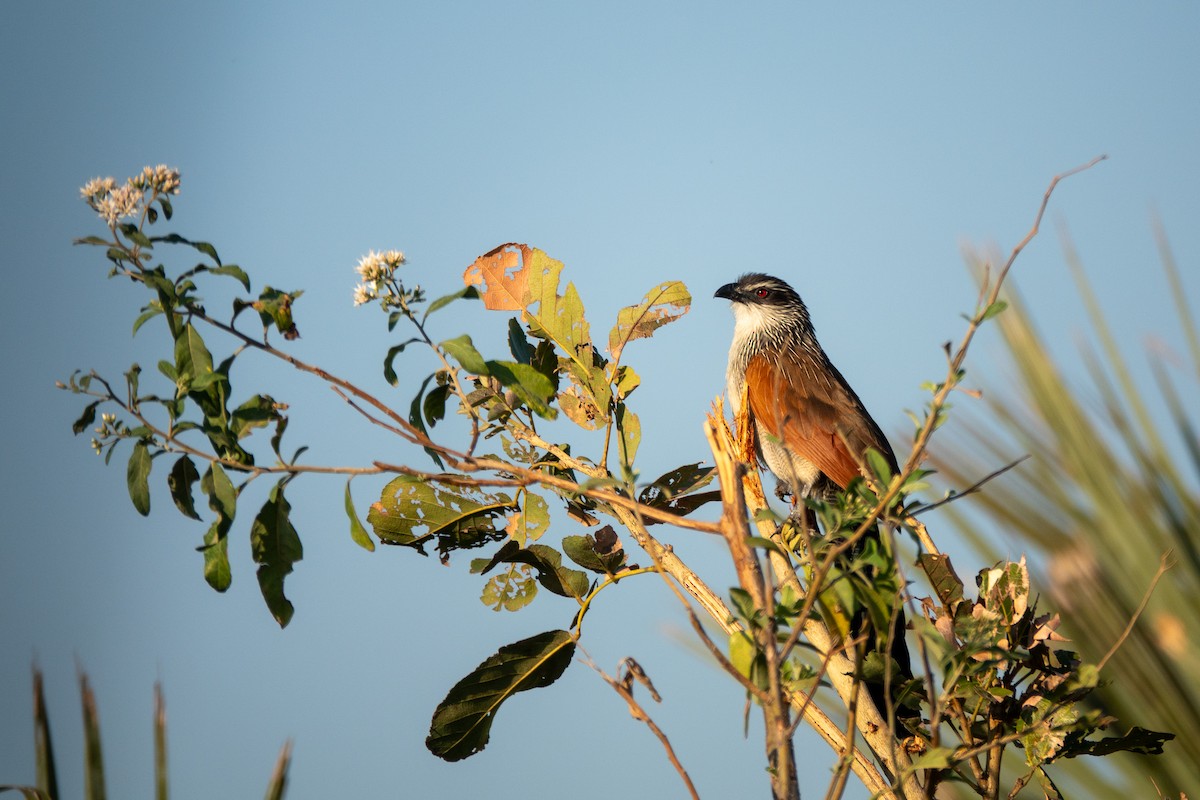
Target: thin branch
{"x": 972, "y": 489}
{"x": 624, "y": 688}
{"x": 370, "y": 418}
{"x": 955, "y": 362}
{"x": 411, "y": 432}
{"x": 1163, "y": 566}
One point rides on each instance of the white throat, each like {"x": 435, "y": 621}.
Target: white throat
{"x": 750, "y": 322}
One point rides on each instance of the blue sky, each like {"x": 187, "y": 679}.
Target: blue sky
{"x": 851, "y": 151}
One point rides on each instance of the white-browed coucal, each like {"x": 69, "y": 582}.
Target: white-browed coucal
{"x": 810, "y": 427}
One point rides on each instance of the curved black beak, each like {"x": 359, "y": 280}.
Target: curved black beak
{"x": 728, "y": 291}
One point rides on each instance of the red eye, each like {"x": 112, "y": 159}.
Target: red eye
{"x": 761, "y": 293}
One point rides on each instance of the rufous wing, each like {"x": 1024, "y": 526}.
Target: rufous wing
{"x": 807, "y": 406}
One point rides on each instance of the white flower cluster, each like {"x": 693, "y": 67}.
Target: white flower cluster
{"x": 107, "y": 429}
{"x": 161, "y": 179}
{"x": 377, "y": 271}
{"x": 113, "y": 202}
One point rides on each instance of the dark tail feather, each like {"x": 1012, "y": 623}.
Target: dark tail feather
{"x": 900, "y": 675}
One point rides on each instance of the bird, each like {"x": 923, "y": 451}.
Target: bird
{"x": 810, "y": 428}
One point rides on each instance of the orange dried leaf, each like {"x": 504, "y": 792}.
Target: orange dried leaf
{"x": 502, "y": 277}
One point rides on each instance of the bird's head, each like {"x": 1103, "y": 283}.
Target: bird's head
{"x": 765, "y": 306}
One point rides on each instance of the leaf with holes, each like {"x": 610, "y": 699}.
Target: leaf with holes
{"x": 664, "y": 303}
{"x": 501, "y": 276}
{"x": 412, "y": 511}
{"x": 563, "y": 581}
{"x": 531, "y": 521}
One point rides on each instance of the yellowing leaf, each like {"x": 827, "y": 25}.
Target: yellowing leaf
{"x": 559, "y": 318}
{"x": 664, "y": 303}
{"x": 531, "y": 521}
{"x": 581, "y": 408}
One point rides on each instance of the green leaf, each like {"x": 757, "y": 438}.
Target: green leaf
{"x": 281, "y": 423}
{"x": 257, "y": 412}
{"x": 879, "y": 466}
{"x": 1138, "y": 740}
{"x": 532, "y": 387}
{"x": 138, "y": 477}
{"x": 934, "y": 758}
{"x": 192, "y": 358}
{"x": 465, "y": 293}
{"x": 175, "y": 238}
{"x": 601, "y": 552}
{"x": 411, "y": 511}
{"x": 552, "y": 575}
{"x": 417, "y": 419}
{"x": 743, "y": 604}
{"x": 745, "y": 656}
{"x": 222, "y": 496}
{"x": 463, "y": 720}
{"x": 763, "y": 543}
{"x": 131, "y": 381}
{"x": 86, "y": 418}
{"x": 183, "y": 475}
{"x": 463, "y": 351}
{"x": 994, "y": 309}
{"x": 233, "y": 271}
{"x": 203, "y": 382}
{"x": 546, "y": 362}
{"x": 148, "y": 313}
{"x": 664, "y": 303}
{"x": 518, "y": 345}
{"x": 274, "y": 306}
{"x": 137, "y": 237}
{"x": 222, "y": 499}
{"x": 217, "y": 572}
{"x": 945, "y": 581}
{"x": 95, "y": 240}
{"x": 389, "y": 372}
{"x": 434, "y": 406}
{"x": 357, "y": 532}
{"x": 676, "y": 491}
{"x": 275, "y": 546}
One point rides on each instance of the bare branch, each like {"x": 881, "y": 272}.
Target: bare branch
{"x": 972, "y": 489}
{"x": 1163, "y": 565}
{"x": 624, "y": 688}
